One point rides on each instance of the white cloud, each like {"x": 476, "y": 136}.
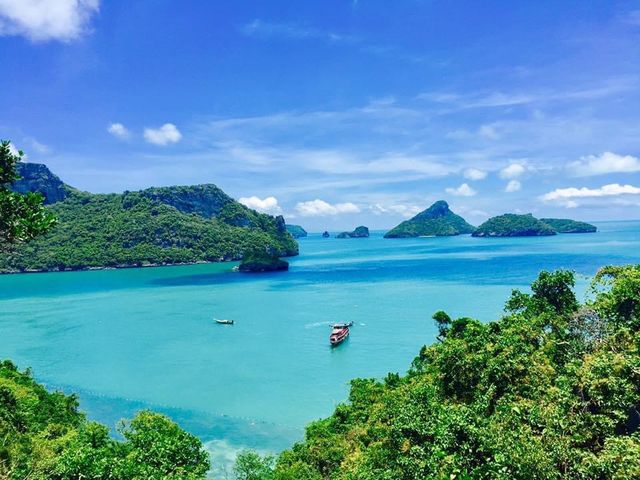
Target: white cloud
{"x": 42, "y": 20}
{"x": 320, "y": 208}
{"x": 14, "y": 150}
{"x": 167, "y": 133}
{"x": 514, "y": 170}
{"x": 266, "y": 205}
{"x": 474, "y": 174}
{"x": 406, "y": 211}
{"x": 607, "y": 162}
{"x": 612, "y": 189}
{"x": 463, "y": 190}
{"x": 513, "y": 186}
{"x": 118, "y": 130}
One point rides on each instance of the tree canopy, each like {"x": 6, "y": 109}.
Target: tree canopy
{"x": 22, "y": 216}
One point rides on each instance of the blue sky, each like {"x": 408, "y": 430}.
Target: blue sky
{"x": 335, "y": 113}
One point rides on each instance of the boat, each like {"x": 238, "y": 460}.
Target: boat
{"x": 224, "y": 322}
{"x": 339, "y": 333}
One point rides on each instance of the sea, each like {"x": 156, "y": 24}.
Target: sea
{"x": 132, "y": 339}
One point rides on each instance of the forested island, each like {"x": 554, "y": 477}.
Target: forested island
{"x": 156, "y": 226}
{"x": 437, "y": 220}
{"x": 358, "y": 232}
{"x": 565, "y": 225}
{"x": 512, "y": 225}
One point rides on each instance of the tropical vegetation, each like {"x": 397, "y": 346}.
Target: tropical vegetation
{"x": 549, "y": 391}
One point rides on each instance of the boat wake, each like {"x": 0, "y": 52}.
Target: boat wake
{"x": 318, "y": 324}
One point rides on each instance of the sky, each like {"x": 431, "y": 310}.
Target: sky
{"x": 335, "y": 113}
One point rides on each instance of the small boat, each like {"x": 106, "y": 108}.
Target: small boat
{"x": 224, "y": 322}
{"x": 339, "y": 333}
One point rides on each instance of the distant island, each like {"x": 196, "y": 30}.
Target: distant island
{"x": 296, "y": 231}
{"x": 565, "y": 225}
{"x": 437, "y": 220}
{"x": 325, "y": 234}
{"x": 156, "y": 226}
{"x": 512, "y": 225}
{"x": 358, "y": 232}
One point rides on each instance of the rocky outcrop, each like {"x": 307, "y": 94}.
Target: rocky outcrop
{"x": 262, "y": 262}
{"x": 35, "y": 177}
{"x": 325, "y": 234}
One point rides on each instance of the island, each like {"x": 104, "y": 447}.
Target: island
{"x": 157, "y": 226}
{"x": 296, "y": 231}
{"x": 513, "y": 225}
{"x": 325, "y": 234}
{"x": 436, "y": 221}
{"x": 565, "y": 225}
{"x": 261, "y": 261}
{"x": 358, "y": 232}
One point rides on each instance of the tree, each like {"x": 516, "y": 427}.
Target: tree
{"x": 22, "y": 217}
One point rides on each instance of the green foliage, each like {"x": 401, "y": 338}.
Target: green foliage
{"x": 565, "y": 225}
{"x": 251, "y": 466}
{"x": 136, "y": 229}
{"x": 437, "y": 220}
{"x": 512, "y": 225}
{"x": 43, "y": 436}
{"x": 549, "y": 391}
{"x": 22, "y": 216}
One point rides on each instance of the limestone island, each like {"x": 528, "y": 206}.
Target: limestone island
{"x": 359, "y": 232}
{"x": 436, "y": 221}
{"x": 512, "y": 225}
{"x": 325, "y": 234}
{"x": 262, "y": 261}
{"x": 565, "y": 225}
{"x": 296, "y": 231}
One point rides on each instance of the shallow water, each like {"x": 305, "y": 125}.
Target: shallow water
{"x": 145, "y": 338}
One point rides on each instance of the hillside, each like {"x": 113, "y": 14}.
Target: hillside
{"x": 437, "y": 220}
{"x": 550, "y": 391}
{"x": 512, "y": 225}
{"x": 565, "y": 225}
{"x": 156, "y": 226}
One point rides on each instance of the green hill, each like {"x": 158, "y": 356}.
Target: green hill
{"x": 549, "y": 391}
{"x": 157, "y": 226}
{"x": 565, "y": 225}
{"x": 437, "y": 220}
{"x": 512, "y": 225}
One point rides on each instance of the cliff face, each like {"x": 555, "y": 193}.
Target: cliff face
{"x": 36, "y": 177}
{"x": 437, "y": 220}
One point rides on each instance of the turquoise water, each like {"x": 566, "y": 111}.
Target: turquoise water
{"x": 145, "y": 338}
